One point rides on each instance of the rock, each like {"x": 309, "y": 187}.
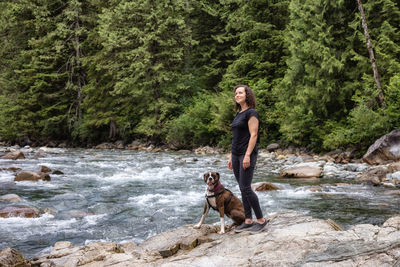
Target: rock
{"x": 105, "y": 146}
{"x": 386, "y": 149}
{"x": 394, "y": 167}
{"x": 272, "y": 147}
{"x": 264, "y": 186}
{"x": 45, "y": 169}
{"x": 14, "y": 155}
{"x": 10, "y": 198}
{"x": 315, "y": 189}
{"x": 11, "y": 169}
{"x": 171, "y": 242}
{"x": 31, "y": 176}
{"x": 301, "y": 172}
{"x": 58, "y": 172}
{"x": 289, "y": 239}
{"x": 11, "y": 257}
{"x": 373, "y": 175}
{"x": 24, "y": 212}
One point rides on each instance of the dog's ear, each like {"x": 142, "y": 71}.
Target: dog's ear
{"x": 205, "y": 176}
{"x": 217, "y": 174}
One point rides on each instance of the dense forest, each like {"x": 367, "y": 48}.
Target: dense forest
{"x": 90, "y": 71}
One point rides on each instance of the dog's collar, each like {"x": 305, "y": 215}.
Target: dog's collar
{"x": 216, "y": 188}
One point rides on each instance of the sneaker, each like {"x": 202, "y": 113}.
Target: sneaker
{"x": 243, "y": 227}
{"x": 258, "y": 227}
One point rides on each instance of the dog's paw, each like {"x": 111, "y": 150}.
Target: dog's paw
{"x": 197, "y": 226}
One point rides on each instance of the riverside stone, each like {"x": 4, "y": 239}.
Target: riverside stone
{"x": 264, "y": 186}
{"x": 44, "y": 169}
{"x": 31, "y": 176}
{"x": 301, "y": 172}
{"x": 11, "y": 257}
{"x": 373, "y": 175}
{"x": 14, "y": 155}
{"x": 24, "y": 212}
{"x": 386, "y": 149}
{"x": 289, "y": 239}
{"x": 11, "y": 198}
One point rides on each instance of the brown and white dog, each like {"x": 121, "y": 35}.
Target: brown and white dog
{"x": 222, "y": 200}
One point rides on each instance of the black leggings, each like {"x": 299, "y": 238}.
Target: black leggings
{"x": 244, "y": 178}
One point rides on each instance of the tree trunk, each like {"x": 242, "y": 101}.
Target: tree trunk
{"x": 371, "y": 54}
{"x": 79, "y": 77}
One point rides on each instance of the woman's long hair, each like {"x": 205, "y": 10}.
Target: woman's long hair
{"x": 250, "y": 97}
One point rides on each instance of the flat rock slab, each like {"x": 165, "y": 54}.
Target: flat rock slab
{"x": 301, "y": 172}
{"x": 289, "y": 239}
{"x": 167, "y": 244}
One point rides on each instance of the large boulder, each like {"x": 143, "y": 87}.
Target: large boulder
{"x": 385, "y": 150}
{"x": 302, "y": 172}
{"x": 24, "y": 212}
{"x": 11, "y": 257}
{"x": 14, "y": 155}
{"x": 31, "y": 176}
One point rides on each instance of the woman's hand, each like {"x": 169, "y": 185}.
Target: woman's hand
{"x": 230, "y": 163}
{"x": 246, "y": 162}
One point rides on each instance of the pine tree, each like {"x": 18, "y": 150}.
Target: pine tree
{"x": 316, "y": 91}
{"x": 144, "y": 49}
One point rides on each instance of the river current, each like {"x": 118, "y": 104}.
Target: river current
{"x": 122, "y": 196}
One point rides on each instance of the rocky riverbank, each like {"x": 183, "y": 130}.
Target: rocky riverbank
{"x": 289, "y": 239}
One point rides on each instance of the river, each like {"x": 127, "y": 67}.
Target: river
{"x": 122, "y": 196}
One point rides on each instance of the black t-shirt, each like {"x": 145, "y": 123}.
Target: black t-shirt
{"x": 241, "y": 133}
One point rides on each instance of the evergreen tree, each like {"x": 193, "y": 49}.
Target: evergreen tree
{"x": 316, "y": 90}
{"x": 51, "y": 77}
{"x": 16, "y": 27}
{"x": 144, "y": 49}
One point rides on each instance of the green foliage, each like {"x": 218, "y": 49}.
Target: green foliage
{"x": 94, "y": 71}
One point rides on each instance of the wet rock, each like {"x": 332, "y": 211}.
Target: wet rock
{"x": 44, "y": 169}
{"x": 14, "y": 155}
{"x": 58, "y": 172}
{"x": 208, "y": 150}
{"x": 11, "y": 257}
{"x": 373, "y": 175}
{"x": 24, "y": 212}
{"x": 31, "y": 176}
{"x": 315, "y": 189}
{"x": 11, "y": 198}
{"x": 264, "y": 186}
{"x": 105, "y": 146}
{"x": 301, "y": 172}
{"x": 11, "y": 169}
{"x": 394, "y": 167}
{"x": 385, "y": 150}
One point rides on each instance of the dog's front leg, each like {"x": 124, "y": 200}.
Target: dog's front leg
{"x": 222, "y": 220}
{"x": 205, "y": 212}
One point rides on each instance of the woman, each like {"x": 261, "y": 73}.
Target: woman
{"x": 243, "y": 155}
